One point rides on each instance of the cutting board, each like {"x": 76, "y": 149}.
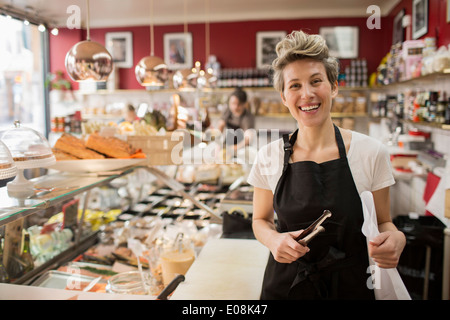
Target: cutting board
{"x": 226, "y": 269}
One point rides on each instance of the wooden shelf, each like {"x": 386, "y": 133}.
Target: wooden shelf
{"x": 224, "y": 90}
{"x": 422, "y": 123}
{"x": 429, "y": 77}
{"x": 348, "y": 115}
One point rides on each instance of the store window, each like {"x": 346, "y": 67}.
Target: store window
{"x": 22, "y": 62}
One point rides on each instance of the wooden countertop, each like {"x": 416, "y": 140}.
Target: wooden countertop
{"x": 226, "y": 269}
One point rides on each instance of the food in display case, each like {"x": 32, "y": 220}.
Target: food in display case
{"x": 110, "y": 146}
{"x": 95, "y": 147}
{"x": 73, "y": 146}
{"x": 111, "y": 266}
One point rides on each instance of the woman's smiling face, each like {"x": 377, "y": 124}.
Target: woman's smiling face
{"x": 307, "y": 92}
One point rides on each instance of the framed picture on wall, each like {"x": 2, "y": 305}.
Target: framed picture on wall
{"x": 120, "y": 46}
{"x": 342, "y": 42}
{"x": 266, "y": 41}
{"x": 448, "y": 11}
{"x": 397, "y": 35}
{"x": 178, "y": 50}
{"x": 419, "y": 18}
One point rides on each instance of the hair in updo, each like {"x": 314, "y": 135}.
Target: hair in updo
{"x": 300, "y": 45}
{"x": 240, "y": 94}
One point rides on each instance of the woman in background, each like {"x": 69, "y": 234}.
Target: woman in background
{"x": 237, "y": 120}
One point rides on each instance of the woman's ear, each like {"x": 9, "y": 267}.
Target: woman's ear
{"x": 283, "y": 99}
{"x": 334, "y": 90}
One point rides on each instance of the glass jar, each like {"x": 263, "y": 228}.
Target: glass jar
{"x": 130, "y": 282}
{"x": 176, "y": 259}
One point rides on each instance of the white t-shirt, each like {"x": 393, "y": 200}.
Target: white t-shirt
{"x": 368, "y": 159}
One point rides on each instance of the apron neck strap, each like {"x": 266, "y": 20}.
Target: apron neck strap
{"x": 340, "y": 142}
{"x": 288, "y": 143}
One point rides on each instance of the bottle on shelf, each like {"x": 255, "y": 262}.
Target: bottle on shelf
{"x": 447, "y": 112}
{"x": 244, "y": 77}
{"x": 21, "y": 261}
{"x": 432, "y": 106}
{"x": 26, "y": 256}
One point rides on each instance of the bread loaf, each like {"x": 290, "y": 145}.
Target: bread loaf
{"x": 61, "y": 155}
{"x": 72, "y": 145}
{"x": 110, "y": 146}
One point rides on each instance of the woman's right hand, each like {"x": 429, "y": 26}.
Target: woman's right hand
{"x": 285, "y": 249}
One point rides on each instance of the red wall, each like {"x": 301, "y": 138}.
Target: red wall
{"x": 437, "y": 20}
{"x": 234, "y": 43}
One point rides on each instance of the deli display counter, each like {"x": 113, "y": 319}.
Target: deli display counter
{"x": 99, "y": 225}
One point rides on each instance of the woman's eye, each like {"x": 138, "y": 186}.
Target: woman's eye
{"x": 317, "y": 81}
{"x": 294, "y": 85}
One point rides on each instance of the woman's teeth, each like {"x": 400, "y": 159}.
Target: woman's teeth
{"x": 309, "y": 108}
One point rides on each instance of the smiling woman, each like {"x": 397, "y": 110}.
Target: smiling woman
{"x": 313, "y": 172}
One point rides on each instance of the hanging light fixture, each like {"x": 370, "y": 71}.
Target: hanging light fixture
{"x": 88, "y": 60}
{"x": 206, "y": 79}
{"x": 151, "y": 71}
{"x": 186, "y": 79}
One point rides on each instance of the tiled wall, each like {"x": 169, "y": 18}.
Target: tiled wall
{"x": 407, "y": 196}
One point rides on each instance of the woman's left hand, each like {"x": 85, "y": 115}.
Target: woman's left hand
{"x": 386, "y": 248}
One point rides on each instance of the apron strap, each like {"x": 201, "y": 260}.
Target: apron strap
{"x": 288, "y": 143}
{"x": 340, "y": 142}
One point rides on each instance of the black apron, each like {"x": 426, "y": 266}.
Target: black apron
{"x": 336, "y": 266}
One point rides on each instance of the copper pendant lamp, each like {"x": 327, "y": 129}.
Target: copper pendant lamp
{"x": 186, "y": 79}
{"x": 89, "y": 60}
{"x": 206, "y": 79}
{"x": 151, "y": 71}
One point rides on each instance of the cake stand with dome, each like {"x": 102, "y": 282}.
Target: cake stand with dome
{"x": 8, "y": 168}
{"x": 29, "y": 149}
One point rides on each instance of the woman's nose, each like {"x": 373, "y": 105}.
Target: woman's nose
{"x": 306, "y": 92}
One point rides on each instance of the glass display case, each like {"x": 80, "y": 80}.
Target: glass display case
{"x": 57, "y": 191}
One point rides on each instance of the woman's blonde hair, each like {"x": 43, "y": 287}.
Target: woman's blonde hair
{"x": 300, "y": 45}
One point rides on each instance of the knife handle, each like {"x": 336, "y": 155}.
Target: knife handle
{"x": 304, "y": 241}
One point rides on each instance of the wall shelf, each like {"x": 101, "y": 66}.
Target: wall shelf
{"x": 414, "y": 81}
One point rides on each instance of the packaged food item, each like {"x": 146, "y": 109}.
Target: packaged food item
{"x": 338, "y": 104}
{"x": 441, "y": 60}
{"x": 360, "y": 104}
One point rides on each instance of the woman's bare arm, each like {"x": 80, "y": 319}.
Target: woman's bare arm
{"x": 282, "y": 245}
{"x": 388, "y": 246}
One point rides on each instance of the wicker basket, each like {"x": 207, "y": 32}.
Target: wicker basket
{"x": 160, "y": 149}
